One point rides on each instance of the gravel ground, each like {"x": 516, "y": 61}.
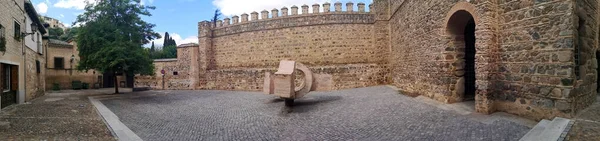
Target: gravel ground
{"x": 374, "y": 113}
{"x": 66, "y": 117}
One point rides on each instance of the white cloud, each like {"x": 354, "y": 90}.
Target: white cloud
{"x": 238, "y": 7}
{"x": 61, "y": 15}
{"x": 42, "y": 8}
{"x": 176, "y": 37}
{"x": 75, "y": 4}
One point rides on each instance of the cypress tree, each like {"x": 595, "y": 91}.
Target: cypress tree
{"x": 167, "y": 39}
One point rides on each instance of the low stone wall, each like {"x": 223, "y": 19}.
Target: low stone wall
{"x": 65, "y": 77}
{"x": 326, "y": 77}
{"x": 177, "y": 75}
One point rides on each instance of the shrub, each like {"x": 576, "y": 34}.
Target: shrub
{"x": 85, "y": 85}
{"x": 76, "y": 85}
{"x": 55, "y": 86}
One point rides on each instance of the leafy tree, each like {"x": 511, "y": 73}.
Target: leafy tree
{"x": 69, "y": 34}
{"x": 163, "y": 53}
{"x": 55, "y": 32}
{"x": 169, "y": 52}
{"x": 111, "y": 38}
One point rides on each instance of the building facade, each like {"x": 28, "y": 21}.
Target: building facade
{"x": 21, "y": 62}
{"x": 54, "y": 23}
{"x": 536, "y": 59}
{"x": 62, "y": 59}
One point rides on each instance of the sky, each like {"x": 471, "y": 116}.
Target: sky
{"x": 178, "y": 17}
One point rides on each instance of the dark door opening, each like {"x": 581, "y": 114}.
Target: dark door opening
{"x": 129, "y": 80}
{"x": 598, "y": 74}
{"x": 10, "y": 85}
{"x": 108, "y": 80}
{"x": 470, "y": 51}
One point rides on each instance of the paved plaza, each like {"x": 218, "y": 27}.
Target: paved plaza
{"x": 65, "y": 115}
{"x": 374, "y": 113}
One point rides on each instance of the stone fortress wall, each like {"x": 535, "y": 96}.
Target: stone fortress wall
{"x": 533, "y": 58}
{"x": 338, "y": 45}
{"x": 525, "y": 59}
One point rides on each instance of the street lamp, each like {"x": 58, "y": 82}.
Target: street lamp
{"x": 33, "y": 30}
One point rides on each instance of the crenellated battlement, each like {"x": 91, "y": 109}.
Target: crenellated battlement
{"x": 284, "y": 12}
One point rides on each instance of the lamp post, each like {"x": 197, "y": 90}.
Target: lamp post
{"x": 33, "y": 30}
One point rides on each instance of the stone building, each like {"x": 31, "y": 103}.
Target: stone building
{"x": 54, "y": 23}
{"x": 62, "y": 59}
{"x": 531, "y": 58}
{"x": 21, "y": 75}
{"x": 178, "y": 72}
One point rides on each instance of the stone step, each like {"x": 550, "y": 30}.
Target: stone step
{"x": 535, "y": 131}
{"x": 552, "y": 130}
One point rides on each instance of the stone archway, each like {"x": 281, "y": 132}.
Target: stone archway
{"x": 460, "y": 26}
{"x": 461, "y": 31}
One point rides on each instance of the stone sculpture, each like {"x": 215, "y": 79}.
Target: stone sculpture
{"x": 282, "y": 84}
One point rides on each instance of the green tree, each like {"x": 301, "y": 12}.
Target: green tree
{"x": 152, "y": 48}
{"x": 69, "y": 34}
{"x": 55, "y": 32}
{"x": 111, "y": 36}
{"x": 168, "y": 41}
{"x": 169, "y": 52}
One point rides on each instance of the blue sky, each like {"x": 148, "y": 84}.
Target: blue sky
{"x": 178, "y": 17}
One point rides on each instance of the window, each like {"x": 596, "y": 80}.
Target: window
{"x": 6, "y": 73}
{"x": 17, "y": 31}
{"x": 175, "y": 73}
{"x": 39, "y": 44}
{"x": 37, "y": 66}
{"x": 59, "y": 63}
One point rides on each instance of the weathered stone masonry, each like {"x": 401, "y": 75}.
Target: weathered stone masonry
{"x": 532, "y": 58}
{"x": 339, "y": 46}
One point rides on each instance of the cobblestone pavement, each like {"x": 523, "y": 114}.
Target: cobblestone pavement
{"x": 374, "y": 113}
{"x": 587, "y": 124}
{"x": 67, "y": 115}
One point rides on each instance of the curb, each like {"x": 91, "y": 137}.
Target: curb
{"x": 116, "y": 127}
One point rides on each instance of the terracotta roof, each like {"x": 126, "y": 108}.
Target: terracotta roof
{"x": 58, "y": 42}
{"x": 188, "y": 45}
{"x": 165, "y": 60}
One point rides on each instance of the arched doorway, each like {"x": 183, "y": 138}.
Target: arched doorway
{"x": 470, "y": 60}
{"x": 461, "y": 28}
{"x": 598, "y": 73}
